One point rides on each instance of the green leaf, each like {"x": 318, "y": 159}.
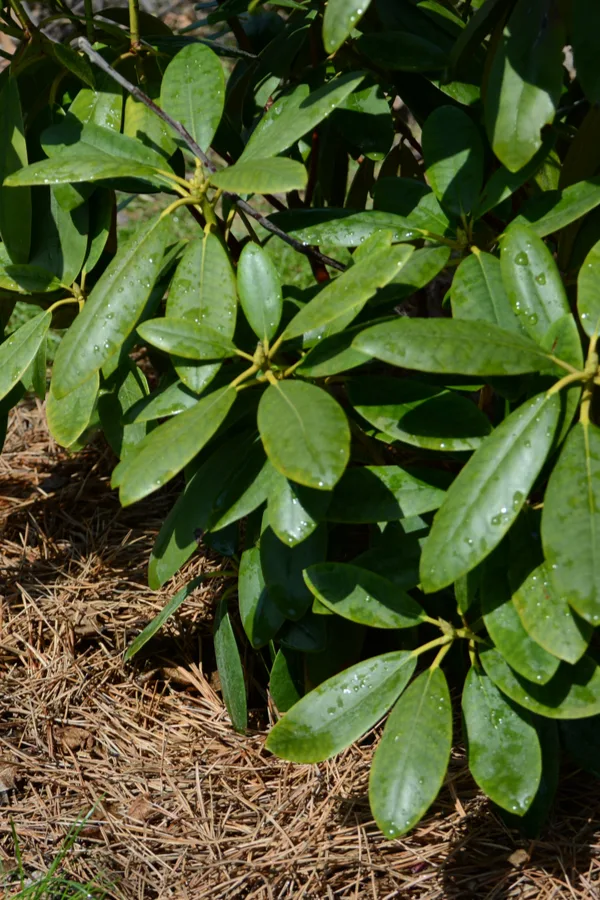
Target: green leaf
{"x": 193, "y": 92}
{"x": 283, "y": 565}
{"x": 26, "y": 279}
{"x": 74, "y": 62}
{"x": 229, "y": 666}
{"x": 101, "y": 204}
{"x": 273, "y": 175}
{"x": 260, "y": 616}
{"x": 548, "y": 619}
{"x": 37, "y": 370}
{"x": 412, "y": 757}
{"x": 362, "y": 596}
{"x": 127, "y": 386}
{"x": 294, "y": 511}
{"x": 171, "y": 446}
{"x": 60, "y": 239}
{"x": 504, "y": 626}
{"x": 259, "y": 289}
{"x": 581, "y": 740}
{"x": 308, "y": 635}
{"x": 81, "y": 163}
{"x": 478, "y": 292}
{"x": 142, "y": 123}
{"x": 453, "y": 156}
{"x": 365, "y": 121}
{"x": 186, "y": 339}
{"x": 588, "y": 292}
{"x": 293, "y": 115}
{"x": 532, "y": 281}
{"x": 488, "y": 493}
{"x": 452, "y": 345}
{"x": 103, "y": 106}
{"x": 414, "y": 201}
{"x": 525, "y": 82}
{"x": 505, "y": 758}
{"x": 504, "y": 184}
{"x": 69, "y": 416}
{"x": 419, "y": 414}
{"x": 15, "y": 204}
{"x": 19, "y": 349}
{"x": 340, "y": 18}
{"x": 166, "y": 401}
{"x": 333, "y": 354}
{"x": 203, "y": 291}
{"x": 385, "y": 493}
{"x": 483, "y": 21}
{"x": 531, "y": 824}
{"x": 305, "y": 433}
{"x": 246, "y": 489}
{"x": 573, "y": 693}
{"x": 554, "y": 210}
{"x": 340, "y": 301}
{"x": 343, "y": 227}
{"x": 402, "y": 51}
{"x": 585, "y": 37}
{"x": 571, "y": 522}
{"x": 286, "y": 684}
{"x": 112, "y": 308}
{"x": 421, "y": 267}
{"x": 341, "y": 709}
{"x": 156, "y": 624}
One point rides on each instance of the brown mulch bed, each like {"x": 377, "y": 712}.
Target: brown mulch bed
{"x": 182, "y": 806}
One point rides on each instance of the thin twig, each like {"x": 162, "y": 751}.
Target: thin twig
{"x": 201, "y": 155}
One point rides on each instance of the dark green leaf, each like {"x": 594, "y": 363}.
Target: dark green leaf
{"x": 246, "y": 489}
{"x": 504, "y": 184}
{"x": 26, "y": 279}
{"x": 166, "y": 401}
{"x": 260, "y": 617}
{"x": 385, "y": 493}
{"x": 259, "y": 289}
{"x": 294, "y": 510}
{"x": 68, "y": 417}
{"x": 332, "y": 355}
{"x": 308, "y": 635}
{"x": 422, "y": 267}
{"x": 286, "y": 684}
{"x": 283, "y": 566}
{"x": 453, "y": 155}
{"x": 229, "y": 665}
{"x": 19, "y": 349}
{"x": 15, "y": 203}
{"x": 402, "y": 51}
{"x": 128, "y": 385}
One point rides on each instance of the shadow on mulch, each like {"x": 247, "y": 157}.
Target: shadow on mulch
{"x": 184, "y": 807}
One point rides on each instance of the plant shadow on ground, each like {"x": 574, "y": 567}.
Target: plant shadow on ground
{"x": 184, "y": 807}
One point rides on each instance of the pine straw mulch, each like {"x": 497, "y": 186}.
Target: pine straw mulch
{"x": 182, "y": 806}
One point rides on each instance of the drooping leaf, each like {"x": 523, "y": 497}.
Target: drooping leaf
{"x": 341, "y": 709}
{"x": 535, "y": 819}
{"x": 452, "y": 345}
{"x": 294, "y": 511}
{"x": 478, "y": 292}
{"x": 167, "y": 449}
{"x": 283, "y": 565}
{"x": 15, "y": 203}
{"x": 293, "y": 115}
{"x": 386, "y": 493}
{"x": 112, "y": 308}
{"x": 505, "y": 758}
{"x": 573, "y": 693}
{"x": 193, "y": 92}
{"x": 229, "y": 665}
{"x": 419, "y": 414}
{"x": 273, "y": 175}
{"x": 340, "y": 18}
{"x": 524, "y": 83}
{"x": 588, "y": 292}
{"x": 68, "y": 417}
{"x": 362, "y": 596}
{"x": 260, "y": 617}
{"x": 19, "y": 349}
{"x": 487, "y": 495}
{"x": 286, "y": 684}
{"x": 365, "y": 121}
{"x": 259, "y": 289}
{"x": 404, "y": 779}
{"x": 305, "y": 433}
{"x": 453, "y": 155}
{"x": 571, "y": 522}
{"x": 74, "y": 62}
{"x": 156, "y": 624}
{"x": 186, "y": 339}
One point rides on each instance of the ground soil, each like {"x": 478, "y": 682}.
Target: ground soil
{"x": 182, "y": 807}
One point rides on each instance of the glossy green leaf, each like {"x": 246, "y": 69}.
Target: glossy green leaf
{"x": 15, "y": 204}
{"x": 532, "y": 281}
{"x": 259, "y": 289}
{"x": 478, "y": 292}
{"x": 343, "y": 227}
{"x": 418, "y": 271}
{"x": 419, "y": 414}
{"x": 283, "y": 565}
{"x": 573, "y": 693}
{"x": 340, "y": 301}
{"x": 193, "y": 92}
{"x": 532, "y": 823}
{"x": 341, "y": 709}
{"x": 166, "y": 401}
{"x": 167, "y": 449}
{"x": 571, "y": 522}
{"x": 585, "y": 37}
{"x": 156, "y": 624}
{"x": 340, "y": 18}
{"x": 229, "y": 666}
{"x": 362, "y": 596}
{"x": 186, "y": 339}
{"x": 402, "y": 51}
{"x": 286, "y": 684}
{"x": 505, "y": 758}
{"x": 294, "y": 511}
{"x": 305, "y": 433}
{"x": 142, "y": 123}
{"x": 273, "y": 175}
{"x": 525, "y": 82}
{"x": 68, "y": 417}
{"x": 488, "y": 493}
{"x": 260, "y": 617}
{"x": 504, "y": 626}
{"x": 112, "y": 308}
{"x": 333, "y": 354}
{"x": 293, "y": 115}
{"x": 102, "y": 106}
{"x": 581, "y": 740}
{"x": 554, "y": 210}
{"x": 81, "y": 163}
{"x": 385, "y": 493}
{"x": 19, "y": 349}
{"x": 452, "y": 345}
{"x": 26, "y": 279}
{"x": 548, "y": 618}
{"x": 203, "y": 291}
{"x": 453, "y": 156}
{"x": 412, "y": 757}
{"x": 588, "y": 292}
